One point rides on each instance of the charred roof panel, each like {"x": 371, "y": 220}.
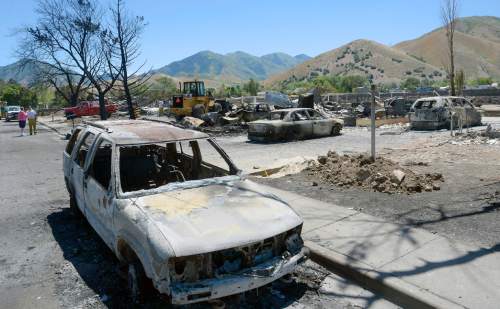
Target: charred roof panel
{"x": 142, "y": 131}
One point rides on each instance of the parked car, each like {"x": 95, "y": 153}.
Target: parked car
{"x": 293, "y": 124}
{"x": 171, "y": 205}
{"x": 434, "y": 113}
{"x": 88, "y": 108}
{"x": 11, "y": 112}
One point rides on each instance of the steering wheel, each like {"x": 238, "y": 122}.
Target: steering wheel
{"x": 175, "y": 170}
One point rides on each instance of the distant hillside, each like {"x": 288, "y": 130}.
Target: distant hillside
{"x": 237, "y": 66}
{"x": 21, "y": 74}
{"x": 378, "y": 62}
{"x": 477, "y": 47}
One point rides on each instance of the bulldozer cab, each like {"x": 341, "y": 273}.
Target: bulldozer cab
{"x": 193, "y": 100}
{"x": 194, "y": 88}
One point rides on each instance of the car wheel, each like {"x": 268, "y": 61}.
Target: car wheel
{"x": 136, "y": 282}
{"x": 336, "y": 130}
{"x": 198, "y": 110}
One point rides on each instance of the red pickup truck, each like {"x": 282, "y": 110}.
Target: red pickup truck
{"x": 88, "y": 108}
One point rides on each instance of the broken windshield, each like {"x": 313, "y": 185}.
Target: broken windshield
{"x": 144, "y": 167}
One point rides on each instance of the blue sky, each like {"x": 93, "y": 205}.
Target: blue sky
{"x": 180, "y": 28}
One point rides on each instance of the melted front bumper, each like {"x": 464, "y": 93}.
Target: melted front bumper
{"x": 248, "y": 279}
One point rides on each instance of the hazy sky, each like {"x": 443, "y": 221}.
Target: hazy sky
{"x": 177, "y": 29}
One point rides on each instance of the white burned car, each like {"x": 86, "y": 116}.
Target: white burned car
{"x": 172, "y": 205}
{"x": 293, "y": 124}
{"x": 440, "y": 112}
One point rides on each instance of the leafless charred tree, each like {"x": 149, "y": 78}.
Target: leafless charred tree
{"x": 127, "y": 30}
{"x": 449, "y": 15}
{"x": 42, "y": 48}
{"x": 79, "y": 38}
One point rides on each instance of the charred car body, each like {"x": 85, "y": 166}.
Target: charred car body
{"x": 440, "y": 112}
{"x": 293, "y": 124}
{"x": 174, "y": 208}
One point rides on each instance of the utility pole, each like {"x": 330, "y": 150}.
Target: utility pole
{"x": 373, "y": 89}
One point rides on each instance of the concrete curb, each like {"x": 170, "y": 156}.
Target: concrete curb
{"x": 51, "y": 128}
{"x": 393, "y": 289}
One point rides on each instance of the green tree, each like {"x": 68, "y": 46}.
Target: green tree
{"x": 481, "y": 81}
{"x": 15, "y": 94}
{"x": 411, "y": 83}
{"x": 162, "y": 89}
{"x": 348, "y": 83}
{"x": 252, "y": 87}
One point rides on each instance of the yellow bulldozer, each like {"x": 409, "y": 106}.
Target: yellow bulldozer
{"x": 194, "y": 100}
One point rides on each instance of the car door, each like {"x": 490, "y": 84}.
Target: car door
{"x": 302, "y": 125}
{"x": 98, "y": 189}
{"x": 77, "y": 169}
{"x": 320, "y": 125}
{"x": 68, "y": 152}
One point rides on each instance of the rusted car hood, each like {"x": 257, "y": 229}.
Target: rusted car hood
{"x": 217, "y": 217}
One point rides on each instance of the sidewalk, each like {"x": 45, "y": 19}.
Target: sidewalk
{"x": 431, "y": 268}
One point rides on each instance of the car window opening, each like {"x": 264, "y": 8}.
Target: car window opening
{"x": 145, "y": 167}
{"x": 100, "y": 169}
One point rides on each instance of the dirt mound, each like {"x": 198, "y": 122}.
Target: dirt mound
{"x": 383, "y": 175}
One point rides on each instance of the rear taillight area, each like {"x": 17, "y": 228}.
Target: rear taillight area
{"x": 216, "y": 264}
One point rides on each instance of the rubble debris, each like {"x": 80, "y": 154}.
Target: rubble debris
{"x": 191, "y": 122}
{"x": 211, "y": 118}
{"x": 489, "y": 136}
{"x": 381, "y": 175}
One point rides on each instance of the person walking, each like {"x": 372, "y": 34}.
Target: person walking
{"x": 22, "y": 116}
{"x": 32, "y": 120}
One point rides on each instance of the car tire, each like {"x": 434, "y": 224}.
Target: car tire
{"x": 198, "y": 110}
{"x": 336, "y": 130}
{"x": 137, "y": 282}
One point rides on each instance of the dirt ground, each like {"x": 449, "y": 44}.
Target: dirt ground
{"x": 467, "y": 208}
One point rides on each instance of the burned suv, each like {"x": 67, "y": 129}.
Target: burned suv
{"x": 175, "y": 209}
{"x": 434, "y": 113}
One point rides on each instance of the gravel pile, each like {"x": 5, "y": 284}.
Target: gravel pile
{"x": 383, "y": 175}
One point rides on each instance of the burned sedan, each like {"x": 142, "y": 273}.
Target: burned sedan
{"x": 176, "y": 211}
{"x": 293, "y": 124}
{"x": 434, "y": 113}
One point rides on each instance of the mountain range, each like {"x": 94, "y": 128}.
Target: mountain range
{"x": 236, "y": 66}
{"x": 477, "y": 49}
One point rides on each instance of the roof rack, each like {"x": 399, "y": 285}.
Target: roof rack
{"x": 90, "y": 123}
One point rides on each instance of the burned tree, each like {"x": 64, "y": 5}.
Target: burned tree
{"x": 78, "y": 36}
{"x": 127, "y": 30}
{"x": 449, "y": 12}
{"x": 45, "y": 48}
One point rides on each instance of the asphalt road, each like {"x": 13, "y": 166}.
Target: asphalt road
{"x": 50, "y": 259}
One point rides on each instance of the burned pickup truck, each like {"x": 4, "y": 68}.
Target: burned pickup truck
{"x": 434, "y": 113}
{"x": 177, "y": 212}
{"x": 293, "y": 124}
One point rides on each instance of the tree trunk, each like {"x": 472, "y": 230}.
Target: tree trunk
{"x": 452, "y": 69}
{"x": 128, "y": 96}
{"x": 102, "y": 107}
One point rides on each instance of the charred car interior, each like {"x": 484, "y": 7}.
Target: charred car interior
{"x": 149, "y": 166}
